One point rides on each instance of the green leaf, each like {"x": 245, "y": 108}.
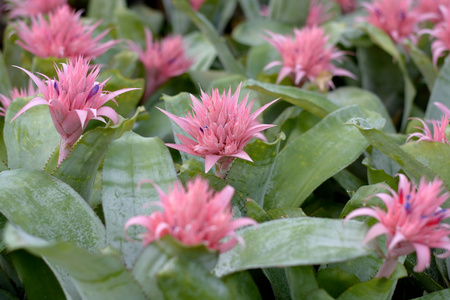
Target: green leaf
{"x": 251, "y": 8}
{"x": 286, "y": 212}
{"x": 29, "y": 268}
{"x": 47, "y": 65}
{"x": 31, "y": 138}
{"x": 251, "y": 32}
{"x": 441, "y": 295}
{"x": 226, "y": 57}
{"x": 241, "y": 286}
{"x": 424, "y": 64}
{"x": 5, "y": 83}
{"x": 129, "y": 160}
{"x": 387, "y": 145}
{"x": 3, "y": 153}
{"x": 200, "y": 50}
{"x": 104, "y": 9}
{"x": 291, "y": 12}
{"x": 278, "y": 281}
{"x": 149, "y": 17}
{"x": 79, "y": 169}
{"x": 256, "y": 212}
{"x": 310, "y": 101}
{"x": 335, "y": 280}
{"x": 297, "y": 239}
{"x": 319, "y": 294}
{"x": 124, "y": 61}
{"x": 259, "y": 57}
{"x": 129, "y": 25}
{"x": 363, "y": 197}
{"x": 252, "y": 178}
{"x": 14, "y": 55}
{"x": 346, "y": 96}
{"x": 440, "y": 92}
{"x": 300, "y": 168}
{"x": 97, "y": 276}
{"x": 128, "y": 101}
{"x": 365, "y": 268}
{"x": 431, "y": 155}
{"x": 302, "y": 281}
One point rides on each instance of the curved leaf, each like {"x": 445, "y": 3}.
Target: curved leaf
{"x": 5, "y": 83}
{"x": 129, "y": 160}
{"x": 251, "y": 32}
{"x": 297, "y": 239}
{"x": 440, "y": 92}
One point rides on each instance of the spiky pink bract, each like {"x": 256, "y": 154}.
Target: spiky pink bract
{"x": 441, "y": 32}
{"x": 347, "y": 6}
{"x": 196, "y": 4}
{"x": 397, "y": 18}
{"x": 29, "y": 8}
{"x": 162, "y": 60}
{"x": 432, "y": 7}
{"x": 195, "y": 216}
{"x": 63, "y": 35}
{"x": 411, "y": 223}
{"x": 220, "y": 128}
{"x": 73, "y": 99}
{"x": 15, "y": 93}
{"x": 438, "y": 133}
{"x": 318, "y": 14}
{"x": 307, "y": 57}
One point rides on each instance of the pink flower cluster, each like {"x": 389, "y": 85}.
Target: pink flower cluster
{"x": 62, "y": 35}
{"x": 73, "y": 99}
{"x": 28, "y": 8}
{"x": 307, "y": 57}
{"x": 162, "y": 60}
{"x": 220, "y": 128}
{"x": 438, "y": 132}
{"x": 412, "y": 222}
{"x": 441, "y": 34}
{"x": 194, "y": 216}
{"x": 196, "y": 4}
{"x": 15, "y": 93}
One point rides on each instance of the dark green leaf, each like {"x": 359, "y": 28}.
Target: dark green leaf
{"x": 279, "y": 282}
{"x": 440, "y": 92}
{"x": 424, "y": 64}
{"x": 335, "y": 280}
{"x": 241, "y": 286}
{"x": 441, "y": 295}
{"x": 302, "y": 281}
{"x": 5, "y": 84}
{"x": 256, "y": 212}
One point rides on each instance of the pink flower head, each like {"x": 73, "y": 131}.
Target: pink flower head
{"x": 74, "y": 99}
{"x": 29, "y": 8}
{"x": 195, "y": 216}
{"x": 411, "y": 223}
{"x": 220, "y": 128}
{"x": 318, "y": 14}
{"x": 432, "y": 7}
{"x": 196, "y": 4}
{"x": 63, "y": 35}
{"x": 441, "y": 32}
{"x": 396, "y": 18}
{"x": 307, "y": 57}
{"x": 15, "y": 93}
{"x": 347, "y": 5}
{"x": 162, "y": 60}
{"x": 438, "y": 133}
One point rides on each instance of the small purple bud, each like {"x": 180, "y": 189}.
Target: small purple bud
{"x": 56, "y": 87}
{"x": 402, "y": 16}
{"x": 93, "y": 92}
{"x": 201, "y": 129}
{"x": 171, "y": 61}
{"x": 408, "y": 207}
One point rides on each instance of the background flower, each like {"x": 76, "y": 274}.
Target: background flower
{"x": 15, "y": 93}
{"x": 28, "y": 8}
{"x": 441, "y": 33}
{"x": 195, "y": 216}
{"x": 438, "y": 133}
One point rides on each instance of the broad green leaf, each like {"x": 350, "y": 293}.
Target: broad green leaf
{"x": 79, "y": 169}
{"x": 286, "y": 212}
{"x": 47, "y": 65}
{"x": 302, "y": 281}
{"x": 431, "y": 155}
{"x": 363, "y": 197}
{"x": 381, "y": 39}
{"x": 424, "y": 64}
{"x": 14, "y": 55}
{"x": 3, "y": 153}
{"x": 346, "y": 96}
{"x": 259, "y": 57}
{"x": 440, "y": 92}
{"x": 348, "y": 180}
{"x": 251, "y": 8}
{"x": 149, "y": 17}
{"x": 124, "y": 61}
{"x": 365, "y": 268}
{"x": 313, "y": 157}
{"x": 377, "y": 288}
{"x": 319, "y": 294}
{"x": 129, "y": 26}
{"x": 5, "y": 83}
{"x": 31, "y": 138}
{"x": 128, "y": 101}
{"x": 335, "y": 280}
{"x": 252, "y": 178}
{"x": 104, "y": 9}
{"x": 5, "y": 295}
{"x": 251, "y": 32}
{"x": 96, "y": 275}
{"x": 200, "y": 50}
{"x": 441, "y": 295}
{"x": 226, "y": 57}
{"x": 297, "y": 239}
{"x": 30, "y": 268}
{"x": 129, "y": 160}
{"x": 241, "y": 286}
{"x": 287, "y": 11}
{"x": 387, "y": 145}
{"x": 431, "y": 279}
{"x": 310, "y": 101}
{"x": 278, "y": 281}
{"x": 256, "y": 212}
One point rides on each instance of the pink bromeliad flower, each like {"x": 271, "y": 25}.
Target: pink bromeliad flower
{"x": 441, "y": 32}
{"x": 74, "y": 99}
{"x": 318, "y": 14}
{"x": 196, "y": 4}
{"x": 220, "y": 128}
{"x": 347, "y": 6}
{"x": 162, "y": 60}
{"x": 432, "y": 7}
{"x": 395, "y": 17}
{"x": 411, "y": 223}
{"x": 28, "y": 8}
{"x": 438, "y": 133}
{"x": 307, "y": 57}
{"x": 15, "y": 93}
{"x": 194, "y": 216}
{"x": 62, "y": 35}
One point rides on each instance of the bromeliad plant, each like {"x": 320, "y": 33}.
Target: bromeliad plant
{"x": 344, "y": 178}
